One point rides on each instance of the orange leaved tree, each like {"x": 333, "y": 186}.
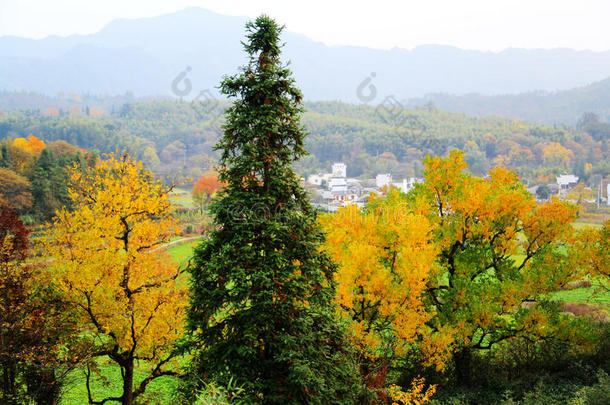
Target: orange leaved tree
{"x": 105, "y": 257}
{"x": 592, "y": 246}
{"x": 205, "y": 187}
{"x": 32, "y": 144}
{"x": 496, "y": 256}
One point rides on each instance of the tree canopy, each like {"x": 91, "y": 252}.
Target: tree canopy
{"x": 128, "y": 293}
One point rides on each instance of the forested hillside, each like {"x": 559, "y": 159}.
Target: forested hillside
{"x": 177, "y": 138}
{"x": 536, "y": 106}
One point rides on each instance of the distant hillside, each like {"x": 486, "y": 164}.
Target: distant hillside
{"x": 543, "y": 107}
{"x": 144, "y": 56}
{"x": 176, "y": 138}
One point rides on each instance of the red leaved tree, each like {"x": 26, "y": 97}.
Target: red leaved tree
{"x": 205, "y": 187}
{"x": 34, "y": 323}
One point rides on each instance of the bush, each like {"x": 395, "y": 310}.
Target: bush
{"x": 212, "y": 393}
{"x": 598, "y": 394}
{"x": 520, "y": 372}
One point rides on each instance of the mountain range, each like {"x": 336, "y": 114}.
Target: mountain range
{"x": 544, "y": 107}
{"x": 145, "y": 56}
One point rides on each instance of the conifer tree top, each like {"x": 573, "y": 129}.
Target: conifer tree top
{"x": 263, "y": 134}
{"x": 263, "y": 36}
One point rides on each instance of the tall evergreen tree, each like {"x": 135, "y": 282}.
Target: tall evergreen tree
{"x": 5, "y": 157}
{"x": 262, "y": 291}
{"x": 49, "y": 185}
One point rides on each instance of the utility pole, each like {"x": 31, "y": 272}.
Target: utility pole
{"x": 599, "y": 190}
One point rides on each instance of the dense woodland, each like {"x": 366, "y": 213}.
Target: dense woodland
{"x": 176, "y": 138}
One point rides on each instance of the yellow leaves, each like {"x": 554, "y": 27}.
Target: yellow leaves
{"x": 385, "y": 256}
{"x": 554, "y": 153}
{"x": 416, "y": 395}
{"x": 589, "y": 250}
{"x": 32, "y": 144}
{"x": 444, "y": 174}
{"x": 548, "y": 222}
{"x": 106, "y": 257}
{"x": 469, "y": 207}
{"x": 446, "y": 265}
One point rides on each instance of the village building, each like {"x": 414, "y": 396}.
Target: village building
{"x": 567, "y": 181}
{"x": 383, "y": 180}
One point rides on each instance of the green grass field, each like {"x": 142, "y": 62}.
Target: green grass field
{"x": 586, "y": 294}
{"x": 159, "y": 391}
{"x": 182, "y": 197}
{"x": 182, "y": 252}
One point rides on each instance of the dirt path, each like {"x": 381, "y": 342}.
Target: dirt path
{"x": 178, "y": 241}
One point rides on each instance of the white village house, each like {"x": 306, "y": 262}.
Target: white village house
{"x": 383, "y": 180}
{"x": 566, "y": 181}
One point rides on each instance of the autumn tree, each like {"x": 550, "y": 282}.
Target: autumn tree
{"x": 21, "y": 160}
{"x": 466, "y": 253}
{"x": 36, "y": 327}
{"x": 592, "y": 247}
{"x": 385, "y": 254}
{"x": 15, "y": 190}
{"x": 128, "y": 293}
{"x": 61, "y": 149}
{"x": 204, "y": 188}
{"x": 51, "y": 112}
{"x": 580, "y": 193}
{"x": 556, "y": 154}
{"x": 498, "y": 249}
{"x": 262, "y": 291}
{"x": 32, "y": 144}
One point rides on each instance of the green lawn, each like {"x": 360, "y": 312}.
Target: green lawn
{"x": 159, "y": 391}
{"x": 182, "y": 197}
{"x": 182, "y": 252}
{"x": 584, "y": 294}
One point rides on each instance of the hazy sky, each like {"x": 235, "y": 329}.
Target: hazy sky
{"x": 473, "y": 24}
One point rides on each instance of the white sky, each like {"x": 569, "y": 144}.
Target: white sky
{"x": 472, "y": 24}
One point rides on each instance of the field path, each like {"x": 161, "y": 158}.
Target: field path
{"x": 178, "y": 241}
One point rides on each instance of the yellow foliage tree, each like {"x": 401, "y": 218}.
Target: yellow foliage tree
{"x": 386, "y": 253}
{"x": 417, "y": 394}
{"x": 463, "y": 256}
{"x": 556, "y": 154}
{"x": 32, "y": 144}
{"x": 497, "y": 250}
{"x": 580, "y": 194}
{"x": 106, "y": 259}
{"x": 592, "y": 248}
